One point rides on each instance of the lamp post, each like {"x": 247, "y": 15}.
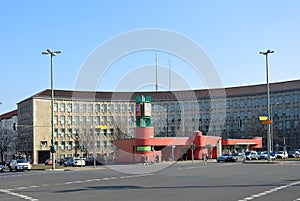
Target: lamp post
{"x": 52, "y": 54}
{"x": 268, "y": 102}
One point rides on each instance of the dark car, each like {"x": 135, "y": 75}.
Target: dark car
{"x": 234, "y": 157}
{"x": 91, "y": 161}
{"x": 2, "y": 168}
{"x": 222, "y": 158}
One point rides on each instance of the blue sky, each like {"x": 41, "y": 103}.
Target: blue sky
{"x": 230, "y": 32}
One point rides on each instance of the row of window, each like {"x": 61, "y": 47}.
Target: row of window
{"x": 91, "y": 120}
{"x": 69, "y": 145}
{"x": 90, "y": 107}
{"x": 82, "y": 132}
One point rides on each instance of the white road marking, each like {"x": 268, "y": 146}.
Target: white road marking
{"x": 25, "y": 197}
{"x": 252, "y": 197}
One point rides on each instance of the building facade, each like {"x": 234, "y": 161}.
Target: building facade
{"x": 174, "y": 113}
{"x": 8, "y": 135}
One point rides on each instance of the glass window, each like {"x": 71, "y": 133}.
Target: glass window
{"x": 70, "y": 145}
{"x": 55, "y": 132}
{"x": 76, "y": 107}
{"x": 55, "y": 120}
{"x": 172, "y": 107}
{"x": 91, "y": 119}
{"x": 76, "y": 120}
{"x": 242, "y": 115}
{"x": 242, "y": 103}
{"x": 296, "y": 98}
{"x": 287, "y": 99}
{"x": 55, "y": 107}
{"x": 287, "y": 111}
{"x": 118, "y": 108}
{"x": 98, "y": 120}
{"x": 62, "y": 120}
{"x": 69, "y": 107}
{"x": 131, "y": 107}
{"x": 166, "y": 107}
{"x": 63, "y": 145}
{"x": 83, "y": 119}
{"x": 249, "y": 102}
{"x": 104, "y": 108}
{"x": 83, "y": 108}
{"x": 288, "y": 125}
{"x": 227, "y": 116}
{"x": 272, "y": 100}
{"x": 234, "y": 104}
{"x": 199, "y": 105}
{"x": 296, "y": 111}
{"x": 264, "y": 101}
{"x": 125, "y": 109}
{"x": 111, "y": 107}
{"x": 111, "y": 119}
{"x": 97, "y": 107}
{"x": 63, "y": 131}
{"x": 256, "y": 102}
{"x": 91, "y": 108}
{"x": 104, "y": 120}
{"x": 206, "y": 105}
{"x": 62, "y": 107}
{"x": 70, "y": 132}
{"x": 235, "y": 115}
{"x": 70, "y": 120}
{"x": 279, "y": 100}
{"x": 249, "y": 115}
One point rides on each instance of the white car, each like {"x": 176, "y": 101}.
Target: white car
{"x": 281, "y": 154}
{"x": 250, "y": 155}
{"x": 19, "y": 165}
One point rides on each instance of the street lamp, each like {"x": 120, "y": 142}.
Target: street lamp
{"x": 52, "y": 54}
{"x": 268, "y": 102}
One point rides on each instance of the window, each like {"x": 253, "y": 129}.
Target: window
{"x": 83, "y": 120}
{"x": 83, "y": 108}
{"x": 70, "y": 132}
{"x": 62, "y": 120}
{"x": 62, "y": 107}
{"x": 256, "y": 102}
{"x": 70, "y": 145}
{"x": 242, "y": 103}
{"x": 55, "y": 132}
{"x": 264, "y": 101}
{"x": 63, "y": 145}
{"x": 104, "y": 120}
{"x": 104, "y": 108}
{"x": 97, "y": 107}
{"x": 287, "y": 99}
{"x": 76, "y": 120}
{"x": 69, "y": 107}
{"x": 70, "y": 120}
{"x": 55, "y": 120}
{"x": 249, "y": 102}
{"x": 91, "y": 108}
{"x": 234, "y": 103}
{"x": 172, "y": 107}
{"x": 179, "y": 107}
{"x": 97, "y": 120}
{"x": 296, "y": 98}
{"x": 199, "y": 105}
{"x": 288, "y": 112}
{"x": 111, "y": 108}
{"x": 62, "y": 134}
{"x": 279, "y": 100}
{"x": 166, "y": 106}
{"x": 296, "y": 111}
{"x": 118, "y": 108}
{"x": 76, "y": 107}
{"x": 228, "y": 104}
{"x": 249, "y": 115}
{"x": 206, "y": 105}
{"x": 111, "y": 119}
{"x": 125, "y": 108}
{"x": 55, "y": 107}
{"x": 91, "y": 119}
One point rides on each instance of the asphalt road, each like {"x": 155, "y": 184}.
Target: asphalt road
{"x": 177, "y": 182}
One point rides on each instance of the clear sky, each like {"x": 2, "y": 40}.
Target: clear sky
{"x": 231, "y": 32}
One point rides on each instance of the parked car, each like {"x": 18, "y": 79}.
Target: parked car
{"x": 281, "y": 154}
{"x": 74, "y": 162}
{"x": 293, "y": 154}
{"x": 235, "y": 157}
{"x": 19, "y": 165}
{"x": 2, "y": 168}
{"x": 222, "y": 158}
{"x": 264, "y": 155}
{"x": 250, "y": 155}
{"x": 90, "y": 161}
{"x": 48, "y": 162}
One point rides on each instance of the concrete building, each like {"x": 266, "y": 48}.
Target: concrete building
{"x": 8, "y": 135}
{"x": 174, "y": 114}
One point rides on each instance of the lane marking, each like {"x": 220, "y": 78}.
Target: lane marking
{"x": 25, "y": 197}
{"x": 273, "y": 190}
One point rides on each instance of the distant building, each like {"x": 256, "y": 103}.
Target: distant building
{"x": 8, "y": 135}
{"x": 174, "y": 113}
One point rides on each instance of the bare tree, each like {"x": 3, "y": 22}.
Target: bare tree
{"x": 7, "y": 138}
